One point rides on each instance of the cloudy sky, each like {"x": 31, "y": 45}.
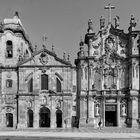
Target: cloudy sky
{"x": 64, "y": 21}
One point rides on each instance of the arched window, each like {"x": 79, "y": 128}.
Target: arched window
{"x": 58, "y": 85}
{"x": 30, "y": 85}
{"x": 9, "y": 49}
{"x": 44, "y": 82}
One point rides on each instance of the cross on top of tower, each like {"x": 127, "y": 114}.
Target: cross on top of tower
{"x": 109, "y": 7}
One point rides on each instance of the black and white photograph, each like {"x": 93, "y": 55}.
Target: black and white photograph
{"x": 69, "y": 69}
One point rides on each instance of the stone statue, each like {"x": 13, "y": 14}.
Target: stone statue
{"x": 117, "y": 21}
{"x": 97, "y": 110}
{"x": 90, "y": 26}
{"x": 102, "y": 22}
{"x": 123, "y": 110}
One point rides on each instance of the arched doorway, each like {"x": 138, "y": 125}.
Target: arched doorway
{"x": 59, "y": 118}
{"x": 9, "y": 119}
{"x": 44, "y": 117}
{"x": 30, "y": 118}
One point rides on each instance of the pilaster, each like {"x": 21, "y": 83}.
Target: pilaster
{"x": 133, "y": 110}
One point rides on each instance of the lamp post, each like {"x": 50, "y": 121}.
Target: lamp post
{"x": 138, "y": 42}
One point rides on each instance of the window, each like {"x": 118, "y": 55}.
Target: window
{"x": 58, "y": 85}
{"x": 8, "y": 83}
{"x": 44, "y": 82}
{"x": 30, "y": 85}
{"x": 9, "y": 49}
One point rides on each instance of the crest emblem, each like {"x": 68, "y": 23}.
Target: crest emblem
{"x": 44, "y": 58}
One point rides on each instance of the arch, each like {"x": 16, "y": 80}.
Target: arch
{"x": 44, "y": 117}
{"x": 9, "y": 49}
{"x": 44, "y": 82}
{"x": 9, "y": 119}
{"x": 58, "y": 118}
{"x": 30, "y": 118}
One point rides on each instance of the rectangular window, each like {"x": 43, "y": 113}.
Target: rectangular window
{"x": 44, "y": 82}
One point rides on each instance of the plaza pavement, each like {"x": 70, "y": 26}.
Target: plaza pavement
{"x": 81, "y": 133}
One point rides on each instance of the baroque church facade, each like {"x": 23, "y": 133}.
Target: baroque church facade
{"x": 108, "y": 76}
{"x": 37, "y": 87}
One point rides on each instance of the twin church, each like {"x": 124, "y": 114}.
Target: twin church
{"x": 39, "y": 89}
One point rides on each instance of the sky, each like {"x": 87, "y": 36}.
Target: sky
{"x": 65, "y": 21}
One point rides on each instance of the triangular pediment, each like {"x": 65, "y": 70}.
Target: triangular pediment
{"x": 44, "y": 57}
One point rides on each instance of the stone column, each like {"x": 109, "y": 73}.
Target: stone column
{"x": 103, "y": 109}
{"x": 118, "y": 111}
{"x": 36, "y": 113}
{"x": 53, "y": 113}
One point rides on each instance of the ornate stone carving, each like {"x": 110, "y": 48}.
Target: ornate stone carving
{"x": 44, "y": 58}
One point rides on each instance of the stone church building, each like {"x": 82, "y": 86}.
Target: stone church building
{"x": 37, "y": 88}
{"x": 108, "y": 75}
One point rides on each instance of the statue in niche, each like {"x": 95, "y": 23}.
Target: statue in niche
{"x": 97, "y": 113}
{"x": 123, "y": 110}
{"x": 29, "y": 104}
{"x": 43, "y": 100}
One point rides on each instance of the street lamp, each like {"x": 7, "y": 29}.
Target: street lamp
{"x": 138, "y": 42}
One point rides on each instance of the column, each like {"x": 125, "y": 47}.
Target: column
{"x": 103, "y": 109}
{"x": 118, "y": 111}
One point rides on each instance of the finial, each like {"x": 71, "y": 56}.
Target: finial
{"x": 90, "y": 26}
{"x": 44, "y": 38}
{"x": 53, "y": 48}
{"x": 44, "y": 47}
{"x": 117, "y": 20}
{"x": 68, "y": 58}
{"x": 133, "y": 23}
{"x": 81, "y": 42}
{"x": 102, "y": 22}
{"x": 16, "y": 14}
{"x": 64, "y": 56}
{"x": 35, "y": 49}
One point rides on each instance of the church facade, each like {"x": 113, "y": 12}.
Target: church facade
{"x": 108, "y": 76}
{"x": 37, "y": 87}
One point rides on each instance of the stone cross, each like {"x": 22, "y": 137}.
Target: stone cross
{"x": 109, "y": 7}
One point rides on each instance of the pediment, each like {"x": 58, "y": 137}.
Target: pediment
{"x": 45, "y": 57}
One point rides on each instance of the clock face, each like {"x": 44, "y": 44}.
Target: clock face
{"x": 44, "y": 58}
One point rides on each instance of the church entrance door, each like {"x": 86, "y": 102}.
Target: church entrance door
{"x": 9, "y": 119}
{"x": 59, "y": 118}
{"x": 44, "y": 117}
{"x": 111, "y": 115}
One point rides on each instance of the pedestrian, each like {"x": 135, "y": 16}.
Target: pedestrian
{"x": 65, "y": 122}
{"x": 99, "y": 124}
